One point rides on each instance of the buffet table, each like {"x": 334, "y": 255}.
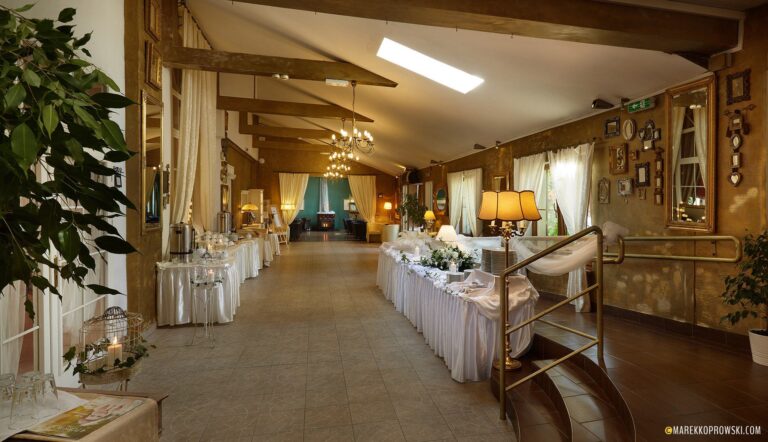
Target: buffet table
{"x": 459, "y": 322}
{"x": 174, "y": 291}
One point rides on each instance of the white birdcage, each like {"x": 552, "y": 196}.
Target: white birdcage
{"x": 111, "y": 347}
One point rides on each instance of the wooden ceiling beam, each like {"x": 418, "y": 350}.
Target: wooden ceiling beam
{"x": 305, "y": 147}
{"x": 257, "y": 106}
{"x": 266, "y": 66}
{"x": 585, "y": 21}
{"x": 280, "y": 132}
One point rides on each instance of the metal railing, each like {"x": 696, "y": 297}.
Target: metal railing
{"x": 597, "y": 287}
{"x": 714, "y": 239}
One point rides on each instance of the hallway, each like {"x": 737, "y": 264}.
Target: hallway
{"x": 315, "y": 353}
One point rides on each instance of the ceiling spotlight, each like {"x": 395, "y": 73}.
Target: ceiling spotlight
{"x": 281, "y": 76}
{"x": 599, "y": 103}
{"x": 337, "y": 83}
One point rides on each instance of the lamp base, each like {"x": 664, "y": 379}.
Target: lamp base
{"x": 509, "y": 364}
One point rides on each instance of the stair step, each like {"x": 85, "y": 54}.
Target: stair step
{"x": 592, "y": 415}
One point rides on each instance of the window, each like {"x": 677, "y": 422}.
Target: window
{"x": 690, "y": 187}
{"x": 551, "y": 223}
{"x": 18, "y": 334}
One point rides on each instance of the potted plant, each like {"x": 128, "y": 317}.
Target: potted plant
{"x": 749, "y": 291}
{"x": 412, "y": 211}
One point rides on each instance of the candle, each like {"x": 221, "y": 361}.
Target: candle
{"x": 114, "y": 351}
{"x": 210, "y": 275}
{"x": 452, "y": 267}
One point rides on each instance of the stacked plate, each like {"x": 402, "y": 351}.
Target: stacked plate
{"x": 493, "y": 260}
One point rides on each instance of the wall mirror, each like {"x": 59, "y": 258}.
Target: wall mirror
{"x": 691, "y": 156}
{"x": 441, "y": 201}
{"x": 151, "y": 161}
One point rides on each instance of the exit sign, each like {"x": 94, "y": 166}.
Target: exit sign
{"x": 641, "y": 105}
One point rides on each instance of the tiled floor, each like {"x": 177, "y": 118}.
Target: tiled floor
{"x": 315, "y": 353}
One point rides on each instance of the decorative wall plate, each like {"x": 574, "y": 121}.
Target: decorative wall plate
{"x": 628, "y": 129}
{"x": 734, "y": 178}
{"x": 736, "y": 141}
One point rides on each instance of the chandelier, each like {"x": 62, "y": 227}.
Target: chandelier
{"x": 357, "y": 140}
{"x": 339, "y": 164}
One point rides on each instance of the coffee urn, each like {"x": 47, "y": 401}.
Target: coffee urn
{"x": 182, "y": 242}
{"x": 225, "y": 222}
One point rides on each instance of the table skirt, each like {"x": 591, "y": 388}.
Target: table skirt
{"x": 174, "y": 292}
{"x": 453, "y": 326}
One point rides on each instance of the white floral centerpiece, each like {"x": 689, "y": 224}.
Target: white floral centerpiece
{"x": 441, "y": 258}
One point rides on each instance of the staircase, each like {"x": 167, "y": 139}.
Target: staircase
{"x": 574, "y": 401}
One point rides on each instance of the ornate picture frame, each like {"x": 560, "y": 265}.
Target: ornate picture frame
{"x": 152, "y": 18}
{"x": 604, "y": 191}
{"x": 738, "y": 86}
{"x": 624, "y": 187}
{"x": 643, "y": 174}
{"x": 153, "y": 65}
{"x": 612, "y": 127}
{"x": 619, "y": 159}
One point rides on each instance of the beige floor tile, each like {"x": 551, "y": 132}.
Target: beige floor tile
{"x": 385, "y": 431}
{"x": 329, "y": 416}
{"x": 372, "y": 411}
{"x": 333, "y": 434}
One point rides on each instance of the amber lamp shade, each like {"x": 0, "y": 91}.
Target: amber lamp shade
{"x": 429, "y": 215}
{"x": 249, "y": 208}
{"x": 387, "y": 206}
{"x": 509, "y": 205}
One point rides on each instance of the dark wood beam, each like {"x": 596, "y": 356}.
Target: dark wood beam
{"x": 169, "y": 25}
{"x": 280, "y": 132}
{"x": 266, "y": 66}
{"x": 585, "y": 21}
{"x": 306, "y": 147}
{"x": 290, "y": 108}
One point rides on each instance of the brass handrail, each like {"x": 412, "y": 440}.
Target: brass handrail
{"x": 711, "y": 238}
{"x": 597, "y": 288}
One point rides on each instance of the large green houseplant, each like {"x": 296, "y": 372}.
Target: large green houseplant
{"x": 412, "y": 211}
{"x": 748, "y": 290}
{"x": 56, "y": 142}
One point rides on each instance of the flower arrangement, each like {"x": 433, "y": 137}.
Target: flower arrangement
{"x": 442, "y": 258}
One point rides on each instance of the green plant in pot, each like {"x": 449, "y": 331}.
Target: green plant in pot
{"x": 56, "y": 143}
{"x": 412, "y": 211}
{"x": 748, "y": 291}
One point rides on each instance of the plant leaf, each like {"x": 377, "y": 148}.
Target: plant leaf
{"x": 114, "y": 244}
{"x": 66, "y": 15}
{"x": 68, "y": 242}
{"x": 112, "y": 134}
{"x": 101, "y": 290}
{"x": 112, "y": 101}
{"x": 50, "y": 118}
{"x": 14, "y": 97}
{"x": 31, "y": 77}
{"x": 24, "y": 145}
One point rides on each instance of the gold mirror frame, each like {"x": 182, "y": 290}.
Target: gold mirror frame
{"x": 146, "y": 100}
{"x": 711, "y": 190}
{"x": 437, "y": 210}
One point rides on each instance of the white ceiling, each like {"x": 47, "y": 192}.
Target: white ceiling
{"x": 530, "y": 84}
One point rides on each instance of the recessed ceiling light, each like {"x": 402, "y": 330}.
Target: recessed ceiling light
{"x": 427, "y": 66}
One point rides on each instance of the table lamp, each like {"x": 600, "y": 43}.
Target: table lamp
{"x": 447, "y": 234}
{"x": 429, "y": 218}
{"x": 388, "y": 208}
{"x": 513, "y": 209}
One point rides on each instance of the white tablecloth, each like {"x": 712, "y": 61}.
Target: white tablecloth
{"x": 274, "y": 240}
{"x": 460, "y": 327}
{"x": 174, "y": 291}
{"x": 248, "y": 257}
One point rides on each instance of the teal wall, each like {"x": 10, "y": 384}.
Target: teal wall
{"x": 338, "y": 190}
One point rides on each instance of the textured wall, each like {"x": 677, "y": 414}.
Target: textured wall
{"x": 677, "y": 290}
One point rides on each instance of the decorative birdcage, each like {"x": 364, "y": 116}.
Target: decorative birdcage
{"x": 111, "y": 347}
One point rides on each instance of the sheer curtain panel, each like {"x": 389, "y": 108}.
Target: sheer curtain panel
{"x": 455, "y": 195}
{"x": 528, "y": 174}
{"x": 325, "y": 205}
{"x": 363, "y": 189}
{"x": 292, "y": 189}
{"x": 571, "y": 170}
{"x": 472, "y": 191}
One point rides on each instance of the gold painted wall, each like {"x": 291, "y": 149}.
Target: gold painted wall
{"x": 681, "y": 291}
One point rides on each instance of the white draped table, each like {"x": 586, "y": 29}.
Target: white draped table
{"x": 458, "y": 323}
{"x": 174, "y": 291}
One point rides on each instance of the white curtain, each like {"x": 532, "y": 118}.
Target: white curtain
{"x": 471, "y": 195}
{"x": 528, "y": 174}
{"x": 12, "y": 323}
{"x": 198, "y": 145}
{"x": 700, "y": 140}
{"x": 678, "y": 119}
{"x": 455, "y": 198}
{"x": 325, "y": 205}
{"x": 571, "y": 170}
{"x": 363, "y": 189}
{"x": 292, "y": 189}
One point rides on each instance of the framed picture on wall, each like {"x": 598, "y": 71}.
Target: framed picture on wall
{"x": 153, "y": 65}
{"x": 612, "y": 127}
{"x": 643, "y": 174}
{"x": 604, "y": 191}
{"x": 624, "y": 187}
{"x": 619, "y": 163}
{"x": 738, "y": 87}
{"x": 152, "y": 18}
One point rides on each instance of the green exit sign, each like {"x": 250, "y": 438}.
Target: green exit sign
{"x": 641, "y": 105}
